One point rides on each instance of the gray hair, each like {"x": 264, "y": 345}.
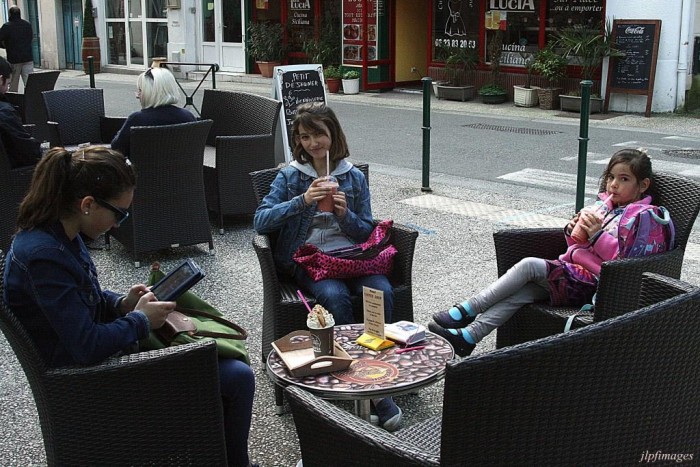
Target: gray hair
{"x": 157, "y": 87}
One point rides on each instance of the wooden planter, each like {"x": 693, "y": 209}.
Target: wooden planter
{"x": 455, "y": 93}
{"x": 91, "y": 46}
{"x": 525, "y": 97}
{"x": 549, "y": 98}
{"x": 573, "y": 104}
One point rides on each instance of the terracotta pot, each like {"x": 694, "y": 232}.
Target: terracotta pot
{"x": 266, "y": 68}
{"x": 333, "y": 85}
{"x": 91, "y": 46}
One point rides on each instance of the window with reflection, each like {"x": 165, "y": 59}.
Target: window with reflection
{"x": 135, "y": 9}
{"x": 116, "y": 44}
{"x": 233, "y": 28}
{"x": 136, "y": 40}
{"x": 114, "y": 8}
{"x": 518, "y": 29}
{"x": 208, "y": 26}
{"x": 563, "y": 13}
{"x": 157, "y": 39}
{"x": 455, "y": 25}
{"x": 157, "y": 8}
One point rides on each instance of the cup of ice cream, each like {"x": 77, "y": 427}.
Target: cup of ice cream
{"x": 320, "y": 323}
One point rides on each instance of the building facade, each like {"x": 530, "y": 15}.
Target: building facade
{"x": 392, "y": 42}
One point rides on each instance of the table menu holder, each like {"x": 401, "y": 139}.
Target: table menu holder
{"x": 295, "y": 350}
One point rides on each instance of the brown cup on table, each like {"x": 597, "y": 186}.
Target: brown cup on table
{"x": 322, "y": 341}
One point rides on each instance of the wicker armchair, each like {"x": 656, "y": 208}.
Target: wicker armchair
{"x": 14, "y": 184}
{"x": 594, "y": 396}
{"x": 30, "y": 105}
{"x": 89, "y": 415}
{"x": 283, "y": 311}
{"x": 80, "y": 114}
{"x": 169, "y": 207}
{"x": 242, "y": 140}
{"x": 618, "y": 289}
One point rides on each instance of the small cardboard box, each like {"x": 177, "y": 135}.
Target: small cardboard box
{"x": 296, "y": 352}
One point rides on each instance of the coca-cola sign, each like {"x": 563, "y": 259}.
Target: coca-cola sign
{"x": 634, "y": 30}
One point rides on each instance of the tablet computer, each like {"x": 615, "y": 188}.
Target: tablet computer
{"x": 178, "y": 281}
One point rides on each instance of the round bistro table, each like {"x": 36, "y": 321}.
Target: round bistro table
{"x": 373, "y": 373}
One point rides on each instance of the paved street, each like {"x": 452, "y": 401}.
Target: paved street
{"x": 484, "y": 177}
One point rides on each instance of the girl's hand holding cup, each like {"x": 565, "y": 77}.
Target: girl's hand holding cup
{"x": 588, "y": 224}
{"x": 330, "y": 186}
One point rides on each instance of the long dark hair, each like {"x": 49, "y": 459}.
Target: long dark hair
{"x": 307, "y": 116}
{"x": 637, "y": 160}
{"x": 61, "y": 178}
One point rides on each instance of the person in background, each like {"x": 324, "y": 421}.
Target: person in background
{"x": 51, "y": 281}
{"x": 21, "y": 149}
{"x": 158, "y": 93}
{"x": 570, "y": 280}
{"x": 294, "y": 208}
{"x": 16, "y": 37}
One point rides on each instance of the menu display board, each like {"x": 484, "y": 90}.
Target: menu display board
{"x": 353, "y": 30}
{"x": 634, "y": 72}
{"x": 295, "y": 85}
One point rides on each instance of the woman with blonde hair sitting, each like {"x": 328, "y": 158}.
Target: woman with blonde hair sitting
{"x": 158, "y": 93}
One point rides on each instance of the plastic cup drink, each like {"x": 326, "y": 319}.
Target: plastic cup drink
{"x": 578, "y": 234}
{"x": 326, "y": 204}
{"x": 322, "y": 341}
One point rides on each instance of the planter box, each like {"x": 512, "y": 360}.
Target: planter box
{"x": 436, "y": 84}
{"x": 549, "y": 98}
{"x": 494, "y": 98}
{"x": 573, "y": 104}
{"x": 455, "y": 93}
{"x": 525, "y": 97}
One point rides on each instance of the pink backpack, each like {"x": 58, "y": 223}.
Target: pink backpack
{"x": 645, "y": 230}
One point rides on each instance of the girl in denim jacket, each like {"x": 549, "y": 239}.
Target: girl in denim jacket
{"x": 292, "y": 208}
{"x": 570, "y": 280}
{"x": 51, "y": 282}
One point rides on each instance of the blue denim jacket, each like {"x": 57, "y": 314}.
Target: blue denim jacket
{"x": 284, "y": 210}
{"x": 51, "y": 285}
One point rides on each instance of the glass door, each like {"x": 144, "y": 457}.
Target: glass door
{"x": 222, "y": 34}
{"x": 72, "y": 32}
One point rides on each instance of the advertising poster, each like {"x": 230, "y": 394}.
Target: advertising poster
{"x": 353, "y": 33}
{"x": 455, "y": 24}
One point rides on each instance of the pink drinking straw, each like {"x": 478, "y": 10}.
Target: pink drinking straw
{"x": 303, "y": 299}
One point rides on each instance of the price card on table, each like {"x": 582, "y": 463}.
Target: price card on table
{"x": 373, "y": 304}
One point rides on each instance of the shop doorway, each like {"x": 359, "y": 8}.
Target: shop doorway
{"x": 411, "y": 39}
{"x": 33, "y": 18}
{"x": 72, "y": 32}
{"x": 222, "y": 33}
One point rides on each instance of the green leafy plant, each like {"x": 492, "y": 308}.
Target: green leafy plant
{"x": 587, "y": 46}
{"x": 264, "y": 42}
{"x": 326, "y": 49}
{"x": 492, "y": 89}
{"x": 528, "y": 61}
{"x": 332, "y": 72}
{"x": 458, "y": 60}
{"x": 88, "y": 21}
{"x": 351, "y": 74}
{"x": 550, "y": 65}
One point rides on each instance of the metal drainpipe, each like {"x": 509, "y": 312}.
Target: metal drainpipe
{"x": 683, "y": 44}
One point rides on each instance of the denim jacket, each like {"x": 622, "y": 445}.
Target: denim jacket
{"x": 284, "y": 210}
{"x": 51, "y": 285}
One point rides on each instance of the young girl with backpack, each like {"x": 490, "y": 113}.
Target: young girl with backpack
{"x": 570, "y": 280}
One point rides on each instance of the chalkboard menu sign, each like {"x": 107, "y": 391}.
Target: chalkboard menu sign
{"x": 295, "y": 85}
{"x": 634, "y": 72}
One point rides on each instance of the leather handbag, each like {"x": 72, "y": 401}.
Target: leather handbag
{"x": 374, "y": 256}
{"x": 195, "y": 319}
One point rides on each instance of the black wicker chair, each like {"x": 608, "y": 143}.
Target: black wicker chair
{"x": 283, "y": 311}
{"x": 125, "y": 411}
{"x": 599, "y": 395}
{"x": 80, "y": 114}
{"x": 14, "y": 184}
{"x": 618, "y": 289}
{"x": 169, "y": 207}
{"x": 242, "y": 140}
{"x": 30, "y": 105}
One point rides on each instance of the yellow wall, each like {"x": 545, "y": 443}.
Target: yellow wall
{"x": 411, "y": 37}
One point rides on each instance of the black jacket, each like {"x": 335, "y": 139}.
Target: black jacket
{"x": 16, "y": 37}
{"x": 20, "y": 147}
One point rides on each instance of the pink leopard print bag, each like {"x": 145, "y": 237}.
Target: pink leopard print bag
{"x": 374, "y": 256}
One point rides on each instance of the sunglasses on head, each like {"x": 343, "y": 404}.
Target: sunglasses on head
{"x": 120, "y": 215}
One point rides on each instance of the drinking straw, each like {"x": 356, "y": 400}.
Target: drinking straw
{"x": 303, "y": 299}
{"x": 328, "y": 165}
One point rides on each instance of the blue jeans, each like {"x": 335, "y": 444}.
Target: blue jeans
{"x": 334, "y": 294}
{"x": 237, "y": 383}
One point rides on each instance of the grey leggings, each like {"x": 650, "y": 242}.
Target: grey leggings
{"x": 524, "y": 283}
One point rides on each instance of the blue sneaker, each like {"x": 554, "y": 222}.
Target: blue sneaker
{"x": 389, "y": 414}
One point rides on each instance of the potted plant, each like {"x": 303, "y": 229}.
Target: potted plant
{"x": 91, "y": 43}
{"x": 264, "y": 44}
{"x": 494, "y": 93}
{"x": 526, "y": 96}
{"x": 332, "y": 75}
{"x": 551, "y": 66}
{"x": 458, "y": 61}
{"x": 587, "y": 47}
{"x": 326, "y": 49}
{"x": 351, "y": 82}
